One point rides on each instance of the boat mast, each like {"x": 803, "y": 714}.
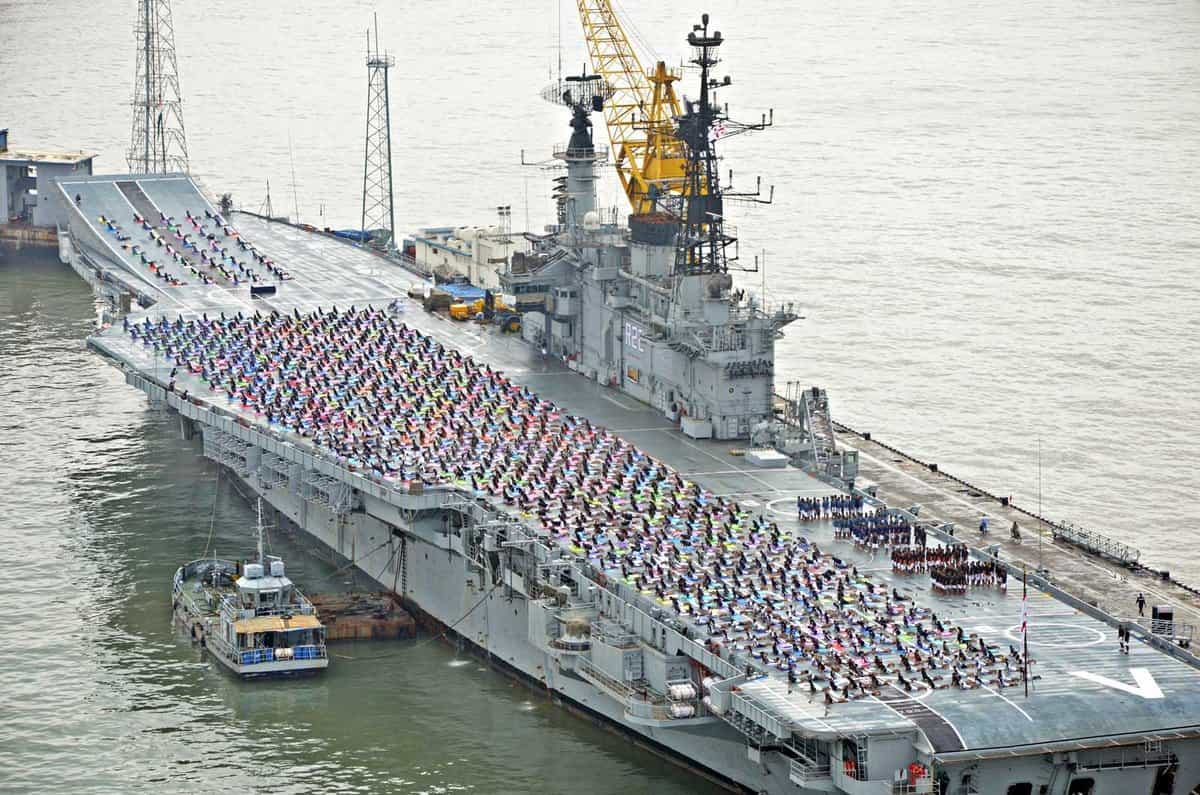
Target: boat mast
{"x": 261, "y": 559}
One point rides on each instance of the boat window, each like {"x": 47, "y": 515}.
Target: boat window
{"x": 1082, "y": 786}
{"x": 1024, "y": 788}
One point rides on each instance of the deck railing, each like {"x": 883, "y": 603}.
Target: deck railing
{"x": 259, "y": 656}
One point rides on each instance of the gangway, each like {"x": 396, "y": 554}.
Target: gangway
{"x": 816, "y": 411}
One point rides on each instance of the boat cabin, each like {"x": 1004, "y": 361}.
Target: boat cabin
{"x": 270, "y": 623}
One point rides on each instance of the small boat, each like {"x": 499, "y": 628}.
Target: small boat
{"x": 250, "y": 616}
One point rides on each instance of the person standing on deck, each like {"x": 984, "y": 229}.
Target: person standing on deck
{"x": 1141, "y": 604}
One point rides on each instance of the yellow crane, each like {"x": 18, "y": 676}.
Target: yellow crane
{"x": 640, "y": 110}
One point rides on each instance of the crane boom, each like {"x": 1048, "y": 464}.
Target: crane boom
{"x": 640, "y": 112}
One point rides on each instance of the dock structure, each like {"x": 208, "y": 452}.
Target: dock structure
{"x": 560, "y": 615}
{"x": 30, "y": 209}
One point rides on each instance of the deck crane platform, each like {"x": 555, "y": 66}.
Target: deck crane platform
{"x": 640, "y": 113}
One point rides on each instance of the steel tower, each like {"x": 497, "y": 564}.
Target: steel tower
{"x": 157, "y": 144}
{"x": 704, "y": 237}
{"x": 377, "y": 215}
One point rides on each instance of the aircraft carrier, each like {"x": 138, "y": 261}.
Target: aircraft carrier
{"x": 606, "y": 505}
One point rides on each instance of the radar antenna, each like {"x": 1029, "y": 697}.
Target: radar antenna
{"x": 583, "y": 94}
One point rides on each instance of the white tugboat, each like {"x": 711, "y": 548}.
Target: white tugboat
{"x": 251, "y": 617}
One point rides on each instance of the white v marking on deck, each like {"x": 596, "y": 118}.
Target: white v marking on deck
{"x": 1146, "y": 687}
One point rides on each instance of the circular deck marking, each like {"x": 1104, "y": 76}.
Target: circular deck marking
{"x": 790, "y": 513}
{"x": 1068, "y": 636}
{"x": 925, "y": 689}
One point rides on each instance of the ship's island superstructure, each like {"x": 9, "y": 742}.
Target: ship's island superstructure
{"x": 650, "y": 308}
{"x": 568, "y": 503}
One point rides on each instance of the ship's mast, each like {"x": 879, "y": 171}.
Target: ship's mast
{"x": 261, "y": 558}
{"x": 575, "y": 193}
{"x": 704, "y": 239}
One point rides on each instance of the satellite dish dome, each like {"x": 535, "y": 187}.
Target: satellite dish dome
{"x": 277, "y": 568}
{"x": 591, "y": 220}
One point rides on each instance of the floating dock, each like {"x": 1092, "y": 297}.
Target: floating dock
{"x": 363, "y": 616}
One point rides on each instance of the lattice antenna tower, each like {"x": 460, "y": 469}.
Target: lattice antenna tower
{"x": 704, "y": 238}
{"x": 157, "y": 144}
{"x": 378, "y": 219}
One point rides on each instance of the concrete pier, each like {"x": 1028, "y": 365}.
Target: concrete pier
{"x": 17, "y": 237}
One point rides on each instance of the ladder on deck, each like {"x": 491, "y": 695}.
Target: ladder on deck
{"x": 815, "y": 403}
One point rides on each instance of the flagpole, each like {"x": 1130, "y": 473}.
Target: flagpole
{"x": 1025, "y": 627}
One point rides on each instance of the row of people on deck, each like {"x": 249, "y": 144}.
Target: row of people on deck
{"x": 875, "y": 531}
{"x": 914, "y": 559}
{"x": 156, "y": 269}
{"x": 957, "y": 579}
{"x": 207, "y": 245}
{"x": 835, "y": 506}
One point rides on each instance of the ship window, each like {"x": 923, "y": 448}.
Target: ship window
{"x": 1082, "y": 786}
{"x": 1024, "y": 788}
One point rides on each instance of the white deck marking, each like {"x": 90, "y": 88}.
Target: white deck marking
{"x": 616, "y": 402}
{"x": 962, "y": 501}
{"x": 921, "y": 701}
{"x": 680, "y": 438}
{"x": 1146, "y": 687}
{"x": 1006, "y": 700}
{"x": 1056, "y": 639}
